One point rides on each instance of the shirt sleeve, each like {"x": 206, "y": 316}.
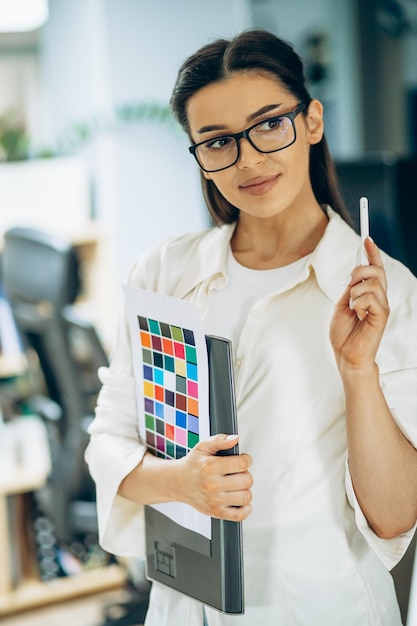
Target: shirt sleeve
{"x": 397, "y": 362}
{"x": 400, "y": 392}
{"x": 115, "y": 450}
{"x": 390, "y": 551}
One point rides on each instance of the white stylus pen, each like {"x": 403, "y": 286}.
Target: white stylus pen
{"x": 364, "y": 226}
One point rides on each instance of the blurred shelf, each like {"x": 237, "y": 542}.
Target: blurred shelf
{"x": 12, "y": 365}
{"x": 33, "y": 594}
{"x": 21, "y": 482}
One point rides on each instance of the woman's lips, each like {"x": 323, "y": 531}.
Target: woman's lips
{"x": 259, "y": 186}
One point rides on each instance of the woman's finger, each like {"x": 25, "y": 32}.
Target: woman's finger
{"x": 368, "y": 272}
{"x": 373, "y": 286}
{"x": 372, "y": 250}
{"x": 368, "y": 305}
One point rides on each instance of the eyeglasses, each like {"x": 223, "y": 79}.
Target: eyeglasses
{"x": 271, "y": 135}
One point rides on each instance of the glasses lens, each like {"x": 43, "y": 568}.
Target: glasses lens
{"x": 273, "y": 134}
{"x": 217, "y": 154}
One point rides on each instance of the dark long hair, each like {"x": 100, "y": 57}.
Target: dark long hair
{"x": 262, "y": 51}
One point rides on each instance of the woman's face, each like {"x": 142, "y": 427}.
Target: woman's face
{"x": 261, "y": 185}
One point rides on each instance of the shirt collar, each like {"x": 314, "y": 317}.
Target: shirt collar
{"x": 335, "y": 256}
{"x": 209, "y": 260}
{"x": 332, "y": 260}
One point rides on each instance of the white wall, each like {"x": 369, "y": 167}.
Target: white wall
{"x": 98, "y": 54}
{"x": 297, "y": 19}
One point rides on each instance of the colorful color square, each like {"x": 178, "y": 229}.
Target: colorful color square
{"x": 180, "y": 367}
{"x": 177, "y": 333}
{"x": 169, "y": 363}
{"x": 156, "y": 343}
{"x": 170, "y": 449}
{"x": 181, "y": 402}
{"x": 181, "y": 384}
{"x": 170, "y": 388}
{"x": 189, "y": 337}
{"x": 170, "y": 432}
{"x": 192, "y": 405}
{"x": 165, "y": 329}
{"x": 158, "y": 376}
{"x": 159, "y": 393}
{"x": 169, "y": 397}
{"x": 192, "y": 440}
{"x": 179, "y": 350}
{"x": 167, "y": 346}
{"x": 159, "y": 410}
{"x": 143, "y": 323}
{"x": 147, "y": 372}
{"x": 180, "y": 452}
{"x": 147, "y": 356}
{"x": 192, "y": 371}
{"x": 148, "y": 389}
{"x": 192, "y": 424}
{"x": 145, "y": 340}
{"x": 154, "y": 327}
{"x": 181, "y": 419}
{"x": 181, "y": 436}
{"x": 192, "y": 389}
{"x": 191, "y": 354}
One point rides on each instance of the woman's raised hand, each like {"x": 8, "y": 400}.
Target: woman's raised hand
{"x": 361, "y": 314}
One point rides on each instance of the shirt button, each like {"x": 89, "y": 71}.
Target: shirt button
{"x": 238, "y": 363}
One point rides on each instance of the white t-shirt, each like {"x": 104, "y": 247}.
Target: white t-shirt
{"x": 229, "y": 307}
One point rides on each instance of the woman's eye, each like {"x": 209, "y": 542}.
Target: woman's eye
{"x": 217, "y": 144}
{"x": 272, "y": 124}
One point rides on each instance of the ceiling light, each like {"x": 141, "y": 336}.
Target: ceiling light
{"x": 22, "y": 15}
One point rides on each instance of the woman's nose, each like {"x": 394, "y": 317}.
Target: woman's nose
{"x": 248, "y": 155}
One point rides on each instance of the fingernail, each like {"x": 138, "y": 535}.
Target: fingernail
{"x": 230, "y": 437}
{"x": 350, "y": 304}
{"x": 347, "y": 280}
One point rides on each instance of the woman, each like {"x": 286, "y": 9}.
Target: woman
{"x": 325, "y": 362}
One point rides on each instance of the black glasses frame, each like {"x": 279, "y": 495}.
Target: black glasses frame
{"x": 245, "y": 134}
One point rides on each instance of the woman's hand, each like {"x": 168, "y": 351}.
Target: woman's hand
{"x": 219, "y": 486}
{"x": 361, "y": 314}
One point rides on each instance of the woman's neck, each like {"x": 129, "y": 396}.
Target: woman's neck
{"x": 278, "y": 241}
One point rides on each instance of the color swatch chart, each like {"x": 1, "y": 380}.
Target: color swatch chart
{"x": 170, "y": 388}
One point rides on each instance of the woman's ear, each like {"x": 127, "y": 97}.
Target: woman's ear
{"x": 206, "y": 175}
{"x": 314, "y": 121}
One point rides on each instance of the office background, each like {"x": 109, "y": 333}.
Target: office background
{"x": 97, "y": 157}
{"x": 90, "y": 66}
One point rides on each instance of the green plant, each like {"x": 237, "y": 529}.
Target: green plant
{"x": 14, "y": 141}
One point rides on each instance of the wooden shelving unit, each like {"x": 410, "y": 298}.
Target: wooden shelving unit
{"x": 95, "y": 250}
{"x": 33, "y": 593}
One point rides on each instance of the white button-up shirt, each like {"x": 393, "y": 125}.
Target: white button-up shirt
{"x": 310, "y": 558}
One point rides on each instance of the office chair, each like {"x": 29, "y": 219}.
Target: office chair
{"x": 40, "y": 274}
